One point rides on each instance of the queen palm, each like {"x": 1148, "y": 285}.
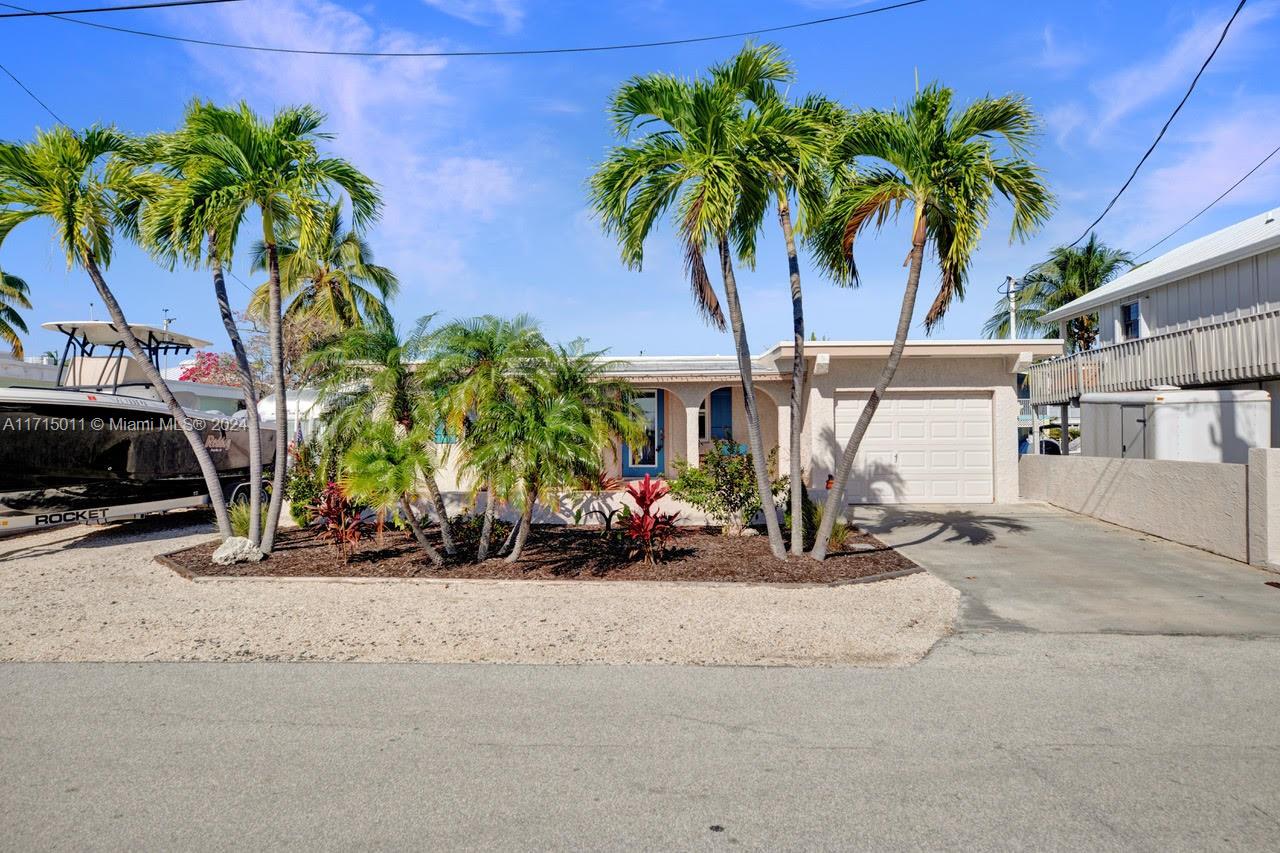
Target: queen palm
{"x": 88, "y": 186}
{"x": 369, "y": 373}
{"x": 786, "y": 143}
{"x": 383, "y": 469}
{"x": 1067, "y": 274}
{"x": 476, "y": 361}
{"x": 237, "y": 161}
{"x": 14, "y": 294}
{"x": 333, "y": 278}
{"x": 690, "y": 157}
{"x": 946, "y": 168}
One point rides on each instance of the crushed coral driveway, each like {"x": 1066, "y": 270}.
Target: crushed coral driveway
{"x": 97, "y": 594}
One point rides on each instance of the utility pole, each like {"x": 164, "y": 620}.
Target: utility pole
{"x": 1009, "y": 289}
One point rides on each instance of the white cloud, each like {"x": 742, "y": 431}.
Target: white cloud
{"x": 396, "y": 119}
{"x": 1063, "y": 119}
{"x": 1150, "y": 78}
{"x": 508, "y": 14}
{"x": 1056, "y": 56}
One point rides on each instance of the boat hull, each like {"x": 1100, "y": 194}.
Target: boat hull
{"x": 68, "y": 450}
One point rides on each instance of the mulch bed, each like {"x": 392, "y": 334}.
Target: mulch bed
{"x": 557, "y": 553}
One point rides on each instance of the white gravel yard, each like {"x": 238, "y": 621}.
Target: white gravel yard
{"x": 82, "y": 594}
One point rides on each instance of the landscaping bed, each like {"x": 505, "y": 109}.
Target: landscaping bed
{"x": 556, "y": 553}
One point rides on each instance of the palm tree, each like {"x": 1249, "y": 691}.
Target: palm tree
{"x": 238, "y": 161}
{"x": 89, "y": 187}
{"x": 368, "y": 373}
{"x": 14, "y": 294}
{"x": 542, "y": 440}
{"x": 383, "y": 469}
{"x": 176, "y": 231}
{"x": 691, "y": 156}
{"x": 476, "y": 361}
{"x": 1069, "y": 273}
{"x": 947, "y": 169}
{"x": 786, "y": 143}
{"x": 335, "y": 278}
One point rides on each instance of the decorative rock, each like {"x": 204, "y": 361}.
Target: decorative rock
{"x": 237, "y": 549}
{"x": 749, "y": 531}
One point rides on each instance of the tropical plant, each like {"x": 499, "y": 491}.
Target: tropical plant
{"x": 787, "y": 144}
{"x": 88, "y": 186}
{"x": 947, "y": 168}
{"x": 14, "y": 295}
{"x": 1067, "y": 274}
{"x": 474, "y": 362}
{"x": 723, "y": 486}
{"x": 369, "y": 373}
{"x": 338, "y": 519}
{"x": 331, "y": 276}
{"x": 383, "y": 469}
{"x": 693, "y": 156}
{"x": 216, "y": 368}
{"x": 648, "y": 532}
{"x": 304, "y": 484}
{"x": 232, "y": 161}
{"x": 242, "y": 517}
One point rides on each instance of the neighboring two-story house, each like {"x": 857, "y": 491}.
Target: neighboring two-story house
{"x": 1204, "y": 315}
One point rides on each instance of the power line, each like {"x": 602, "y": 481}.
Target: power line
{"x": 28, "y": 13}
{"x": 459, "y": 53}
{"x": 1168, "y": 122}
{"x": 1227, "y": 192}
{"x": 33, "y": 95}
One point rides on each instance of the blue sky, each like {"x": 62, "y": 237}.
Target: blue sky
{"x": 484, "y": 161}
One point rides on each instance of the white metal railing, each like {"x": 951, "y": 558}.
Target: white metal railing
{"x": 1230, "y": 351}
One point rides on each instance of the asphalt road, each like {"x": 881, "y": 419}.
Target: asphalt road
{"x": 996, "y": 741}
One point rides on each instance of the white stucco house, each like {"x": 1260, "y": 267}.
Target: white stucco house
{"x": 946, "y": 433}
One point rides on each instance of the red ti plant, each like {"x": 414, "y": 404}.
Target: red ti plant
{"x": 339, "y": 521}
{"x": 648, "y": 532}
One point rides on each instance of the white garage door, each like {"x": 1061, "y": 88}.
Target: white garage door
{"x": 920, "y": 448}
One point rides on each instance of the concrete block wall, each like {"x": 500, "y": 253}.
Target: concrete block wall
{"x": 1227, "y": 509}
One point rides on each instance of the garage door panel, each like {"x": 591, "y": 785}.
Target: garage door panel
{"x": 921, "y": 448}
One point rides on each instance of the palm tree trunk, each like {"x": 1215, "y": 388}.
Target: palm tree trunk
{"x": 521, "y": 530}
{"x": 275, "y": 339}
{"x": 486, "y": 527}
{"x": 149, "y": 369}
{"x": 836, "y": 497}
{"x": 749, "y": 398}
{"x": 418, "y": 534}
{"x": 437, "y": 503}
{"x": 798, "y": 370}
{"x": 252, "y": 420}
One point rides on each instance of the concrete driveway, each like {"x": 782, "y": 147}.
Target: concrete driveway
{"x": 1033, "y": 567}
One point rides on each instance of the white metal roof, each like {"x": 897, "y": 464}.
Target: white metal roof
{"x": 1253, "y": 236}
{"x": 104, "y": 332}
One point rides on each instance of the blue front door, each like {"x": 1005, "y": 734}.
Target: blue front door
{"x": 648, "y": 457}
{"x": 721, "y": 422}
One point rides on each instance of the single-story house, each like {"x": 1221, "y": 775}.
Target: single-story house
{"x": 947, "y": 431}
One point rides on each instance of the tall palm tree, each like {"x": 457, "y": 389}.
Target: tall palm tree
{"x": 14, "y": 294}
{"x": 947, "y": 169}
{"x": 786, "y": 143}
{"x": 383, "y": 469}
{"x": 238, "y": 161}
{"x": 690, "y": 156}
{"x": 368, "y": 373}
{"x": 88, "y": 186}
{"x": 334, "y": 278}
{"x": 175, "y": 230}
{"x": 476, "y": 360}
{"x": 1067, "y": 274}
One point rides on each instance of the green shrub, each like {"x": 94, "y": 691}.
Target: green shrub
{"x": 304, "y": 483}
{"x": 241, "y": 514}
{"x": 810, "y": 515}
{"x": 724, "y": 486}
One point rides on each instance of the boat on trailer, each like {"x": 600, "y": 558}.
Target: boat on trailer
{"x": 100, "y": 445}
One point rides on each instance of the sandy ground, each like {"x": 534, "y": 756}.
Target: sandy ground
{"x": 97, "y": 595}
